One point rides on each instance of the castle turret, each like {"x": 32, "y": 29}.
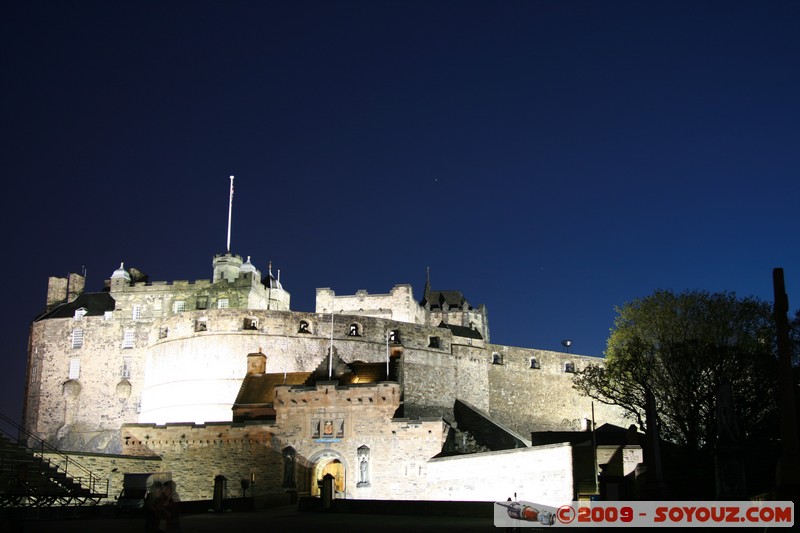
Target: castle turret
{"x": 277, "y": 297}
{"x": 249, "y": 267}
{"x": 226, "y": 266}
{"x": 120, "y": 278}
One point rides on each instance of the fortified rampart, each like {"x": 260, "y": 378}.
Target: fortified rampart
{"x": 176, "y": 353}
{"x": 295, "y": 449}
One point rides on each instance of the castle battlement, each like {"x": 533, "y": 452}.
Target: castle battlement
{"x": 167, "y": 352}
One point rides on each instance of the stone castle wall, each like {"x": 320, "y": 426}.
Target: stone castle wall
{"x": 83, "y": 413}
{"x": 398, "y": 448}
{"x": 541, "y": 474}
{"x": 398, "y": 305}
{"x": 109, "y": 470}
{"x": 400, "y": 463}
{"x": 542, "y": 399}
{"x": 187, "y": 366}
{"x": 194, "y": 376}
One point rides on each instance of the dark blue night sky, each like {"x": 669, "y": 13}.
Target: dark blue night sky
{"x": 551, "y": 160}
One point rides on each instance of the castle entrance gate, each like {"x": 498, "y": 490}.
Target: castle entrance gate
{"x": 328, "y": 462}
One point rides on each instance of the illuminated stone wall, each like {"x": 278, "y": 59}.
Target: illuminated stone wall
{"x": 542, "y": 474}
{"x": 398, "y": 305}
{"x": 187, "y": 366}
{"x": 398, "y": 449}
{"x": 542, "y": 399}
{"x": 108, "y": 470}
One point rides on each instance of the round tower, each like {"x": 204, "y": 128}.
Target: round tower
{"x": 226, "y": 266}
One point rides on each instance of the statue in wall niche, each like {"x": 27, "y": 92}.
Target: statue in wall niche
{"x": 288, "y": 467}
{"x": 363, "y": 470}
{"x": 363, "y": 467}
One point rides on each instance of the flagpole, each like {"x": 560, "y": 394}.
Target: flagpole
{"x": 230, "y": 212}
{"x": 387, "y": 355}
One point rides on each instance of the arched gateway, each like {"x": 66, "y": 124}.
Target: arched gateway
{"x": 328, "y": 462}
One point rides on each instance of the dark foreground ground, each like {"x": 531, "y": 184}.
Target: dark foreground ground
{"x": 284, "y": 518}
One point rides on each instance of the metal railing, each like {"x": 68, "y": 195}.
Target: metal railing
{"x": 72, "y": 469}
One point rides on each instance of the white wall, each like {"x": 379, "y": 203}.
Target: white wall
{"x": 541, "y": 474}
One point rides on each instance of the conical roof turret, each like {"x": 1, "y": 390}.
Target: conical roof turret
{"x": 248, "y": 266}
{"x": 270, "y": 281}
{"x": 121, "y": 273}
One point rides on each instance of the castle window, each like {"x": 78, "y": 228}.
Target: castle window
{"x": 315, "y": 424}
{"x": 108, "y": 315}
{"x": 569, "y": 368}
{"x": 77, "y": 338}
{"x": 354, "y": 331}
{"x": 303, "y": 327}
{"x": 497, "y": 359}
{"x": 163, "y": 332}
{"x": 202, "y": 302}
{"x": 137, "y": 312}
{"x": 394, "y": 336}
{"x": 534, "y": 363}
{"x": 74, "y": 368}
{"x": 80, "y": 313}
{"x": 222, "y": 303}
{"x": 433, "y": 342}
{"x": 126, "y": 368}
{"x": 179, "y": 306}
{"x": 250, "y": 323}
{"x": 200, "y": 325}
{"x": 127, "y": 338}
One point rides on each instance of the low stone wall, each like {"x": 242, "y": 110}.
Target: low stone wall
{"x": 542, "y": 474}
{"x": 104, "y": 467}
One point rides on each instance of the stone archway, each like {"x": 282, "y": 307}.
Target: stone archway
{"x": 328, "y": 462}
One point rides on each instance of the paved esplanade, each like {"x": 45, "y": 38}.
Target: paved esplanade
{"x": 286, "y": 518}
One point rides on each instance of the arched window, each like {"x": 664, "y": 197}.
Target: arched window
{"x": 497, "y": 359}
{"x": 535, "y": 363}
{"x": 394, "y": 336}
{"x": 303, "y": 327}
{"x": 354, "y": 331}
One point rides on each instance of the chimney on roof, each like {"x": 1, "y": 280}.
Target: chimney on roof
{"x": 75, "y": 286}
{"x": 56, "y": 291}
{"x": 64, "y": 290}
{"x": 256, "y": 363}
